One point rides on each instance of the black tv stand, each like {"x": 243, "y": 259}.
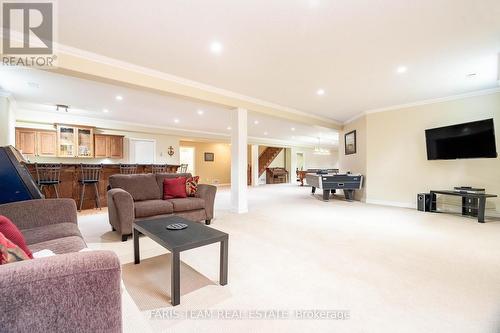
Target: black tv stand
{"x": 473, "y": 204}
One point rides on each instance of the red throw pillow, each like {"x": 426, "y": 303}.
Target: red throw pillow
{"x": 192, "y": 185}
{"x": 10, "y": 252}
{"x": 174, "y": 188}
{"x": 12, "y": 233}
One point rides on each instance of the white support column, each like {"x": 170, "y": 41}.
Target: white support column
{"x": 255, "y": 165}
{"x": 239, "y": 201}
{"x": 293, "y": 165}
{"x": 6, "y": 121}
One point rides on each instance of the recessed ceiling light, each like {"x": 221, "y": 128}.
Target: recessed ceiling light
{"x": 255, "y": 122}
{"x": 320, "y": 92}
{"x": 229, "y": 128}
{"x": 201, "y": 112}
{"x": 293, "y": 128}
{"x": 119, "y": 98}
{"x": 105, "y": 110}
{"x": 265, "y": 133}
{"x": 401, "y": 69}
{"x": 216, "y": 47}
{"x": 176, "y": 120}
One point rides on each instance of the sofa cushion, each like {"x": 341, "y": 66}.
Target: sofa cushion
{"x": 185, "y": 204}
{"x": 13, "y": 234}
{"x": 152, "y": 207}
{"x": 10, "y": 252}
{"x": 174, "y": 188}
{"x": 60, "y": 245}
{"x": 50, "y": 232}
{"x": 141, "y": 187}
{"x": 160, "y": 177}
{"x": 192, "y": 185}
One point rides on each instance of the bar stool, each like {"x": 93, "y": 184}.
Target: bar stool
{"x": 158, "y": 168}
{"x": 128, "y": 169}
{"x": 183, "y": 168}
{"x": 90, "y": 174}
{"x": 48, "y": 175}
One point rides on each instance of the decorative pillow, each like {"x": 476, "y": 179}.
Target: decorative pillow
{"x": 12, "y": 233}
{"x": 10, "y": 252}
{"x": 174, "y": 188}
{"x": 192, "y": 185}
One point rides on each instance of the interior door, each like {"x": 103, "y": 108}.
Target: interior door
{"x": 142, "y": 151}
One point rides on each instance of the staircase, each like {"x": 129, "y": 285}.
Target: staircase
{"x": 267, "y": 157}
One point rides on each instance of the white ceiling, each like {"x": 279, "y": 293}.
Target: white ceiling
{"x": 283, "y": 51}
{"x": 40, "y": 91}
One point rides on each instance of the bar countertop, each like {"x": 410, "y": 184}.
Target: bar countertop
{"x": 70, "y": 186}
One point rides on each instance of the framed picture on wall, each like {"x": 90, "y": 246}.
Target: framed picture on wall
{"x": 350, "y": 143}
{"x": 209, "y": 157}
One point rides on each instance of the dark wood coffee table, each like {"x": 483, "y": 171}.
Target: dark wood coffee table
{"x": 176, "y": 241}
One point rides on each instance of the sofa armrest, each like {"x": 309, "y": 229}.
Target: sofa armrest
{"x": 40, "y": 212}
{"x": 207, "y": 193}
{"x": 121, "y": 210}
{"x": 63, "y": 293}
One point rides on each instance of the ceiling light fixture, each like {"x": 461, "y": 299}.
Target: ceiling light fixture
{"x": 255, "y": 122}
{"x": 229, "y": 128}
{"x": 320, "y": 92}
{"x": 401, "y": 69}
{"x": 201, "y": 112}
{"x": 293, "y": 129}
{"x": 320, "y": 151}
{"x": 265, "y": 133}
{"x": 176, "y": 120}
{"x": 119, "y": 98}
{"x": 216, "y": 47}
{"x": 105, "y": 110}
{"x": 62, "y": 107}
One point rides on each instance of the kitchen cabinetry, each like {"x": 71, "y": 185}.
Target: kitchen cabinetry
{"x": 108, "y": 146}
{"x": 33, "y": 142}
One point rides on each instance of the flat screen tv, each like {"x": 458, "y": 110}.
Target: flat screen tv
{"x": 469, "y": 140}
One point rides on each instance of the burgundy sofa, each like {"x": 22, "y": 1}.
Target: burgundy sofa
{"x": 140, "y": 196}
{"x": 70, "y": 292}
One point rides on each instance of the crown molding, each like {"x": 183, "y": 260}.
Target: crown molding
{"x": 78, "y": 53}
{"x": 476, "y": 93}
{"x": 182, "y": 134}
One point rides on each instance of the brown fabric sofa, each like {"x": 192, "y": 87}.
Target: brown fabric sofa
{"x": 70, "y": 292}
{"x": 140, "y": 196}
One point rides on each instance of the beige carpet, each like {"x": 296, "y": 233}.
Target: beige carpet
{"x": 393, "y": 269}
{"x": 148, "y": 283}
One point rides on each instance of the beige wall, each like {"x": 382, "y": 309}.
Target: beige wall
{"x": 217, "y": 172}
{"x": 355, "y": 163}
{"x": 397, "y": 163}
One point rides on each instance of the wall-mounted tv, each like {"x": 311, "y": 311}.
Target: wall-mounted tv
{"x": 469, "y": 140}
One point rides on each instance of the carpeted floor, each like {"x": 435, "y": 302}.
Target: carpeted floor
{"x": 392, "y": 269}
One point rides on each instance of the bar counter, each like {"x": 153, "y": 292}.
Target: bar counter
{"x": 70, "y": 186}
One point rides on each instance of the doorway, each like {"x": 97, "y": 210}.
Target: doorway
{"x": 300, "y": 161}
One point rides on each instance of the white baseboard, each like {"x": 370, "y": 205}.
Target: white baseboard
{"x": 391, "y": 203}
